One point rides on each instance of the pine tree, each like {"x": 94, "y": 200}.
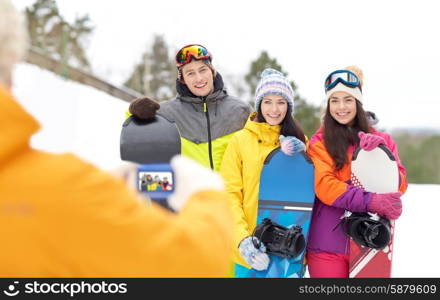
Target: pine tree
{"x": 420, "y": 155}
{"x": 155, "y": 75}
{"x": 51, "y": 33}
{"x": 139, "y": 78}
{"x": 43, "y": 14}
{"x": 162, "y": 69}
{"x": 257, "y": 66}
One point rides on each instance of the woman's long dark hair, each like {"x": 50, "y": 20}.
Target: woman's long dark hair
{"x": 289, "y": 126}
{"x": 338, "y": 137}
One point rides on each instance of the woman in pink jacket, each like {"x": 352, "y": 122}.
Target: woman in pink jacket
{"x": 345, "y": 126}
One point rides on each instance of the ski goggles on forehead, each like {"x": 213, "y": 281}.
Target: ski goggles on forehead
{"x": 196, "y": 51}
{"x": 344, "y": 76}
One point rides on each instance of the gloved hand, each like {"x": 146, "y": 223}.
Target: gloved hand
{"x": 291, "y": 145}
{"x": 369, "y": 141}
{"x": 143, "y": 108}
{"x": 191, "y": 177}
{"x": 256, "y": 258}
{"x": 387, "y": 205}
{"x": 128, "y": 172}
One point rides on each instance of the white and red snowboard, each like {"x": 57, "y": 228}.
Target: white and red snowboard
{"x": 374, "y": 171}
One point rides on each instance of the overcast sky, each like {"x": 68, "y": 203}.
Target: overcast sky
{"x": 396, "y": 43}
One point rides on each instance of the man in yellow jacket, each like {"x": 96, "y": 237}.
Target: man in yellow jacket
{"x": 62, "y": 217}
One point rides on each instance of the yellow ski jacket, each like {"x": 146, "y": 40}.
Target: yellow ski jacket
{"x": 241, "y": 167}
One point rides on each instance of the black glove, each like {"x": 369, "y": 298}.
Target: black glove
{"x": 143, "y": 108}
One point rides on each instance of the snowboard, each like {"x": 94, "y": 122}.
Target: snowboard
{"x": 151, "y": 141}
{"x": 286, "y": 196}
{"x": 374, "y": 171}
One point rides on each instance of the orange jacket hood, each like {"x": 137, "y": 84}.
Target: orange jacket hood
{"x": 12, "y": 138}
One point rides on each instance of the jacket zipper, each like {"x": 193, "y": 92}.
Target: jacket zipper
{"x": 205, "y": 110}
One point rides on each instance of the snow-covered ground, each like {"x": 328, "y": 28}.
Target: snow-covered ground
{"x": 74, "y": 117}
{"x": 416, "y": 239}
{"x": 86, "y": 121}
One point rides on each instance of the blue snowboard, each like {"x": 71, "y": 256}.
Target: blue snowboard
{"x": 286, "y": 196}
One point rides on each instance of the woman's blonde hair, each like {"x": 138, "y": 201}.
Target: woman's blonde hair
{"x": 13, "y": 39}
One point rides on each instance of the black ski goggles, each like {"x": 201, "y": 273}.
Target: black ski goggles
{"x": 346, "y": 77}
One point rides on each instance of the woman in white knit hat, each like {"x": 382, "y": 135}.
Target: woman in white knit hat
{"x": 269, "y": 127}
{"x": 345, "y": 126}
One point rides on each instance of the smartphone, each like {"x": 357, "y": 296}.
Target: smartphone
{"x": 157, "y": 181}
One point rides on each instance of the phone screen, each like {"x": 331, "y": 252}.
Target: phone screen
{"x": 155, "y": 181}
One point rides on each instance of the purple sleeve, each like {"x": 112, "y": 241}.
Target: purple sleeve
{"x": 354, "y": 199}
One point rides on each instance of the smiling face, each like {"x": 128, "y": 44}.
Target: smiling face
{"x": 198, "y": 77}
{"x": 274, "y": 109}
{"x": 342, "y": 107}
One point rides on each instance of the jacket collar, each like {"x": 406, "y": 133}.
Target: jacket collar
{"x": 17, "y": 126}
{"x": 266, "y": 133}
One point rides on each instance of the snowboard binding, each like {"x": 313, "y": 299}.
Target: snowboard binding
{"x": 366, "y": 229}
{"x": 279, "y": 240}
